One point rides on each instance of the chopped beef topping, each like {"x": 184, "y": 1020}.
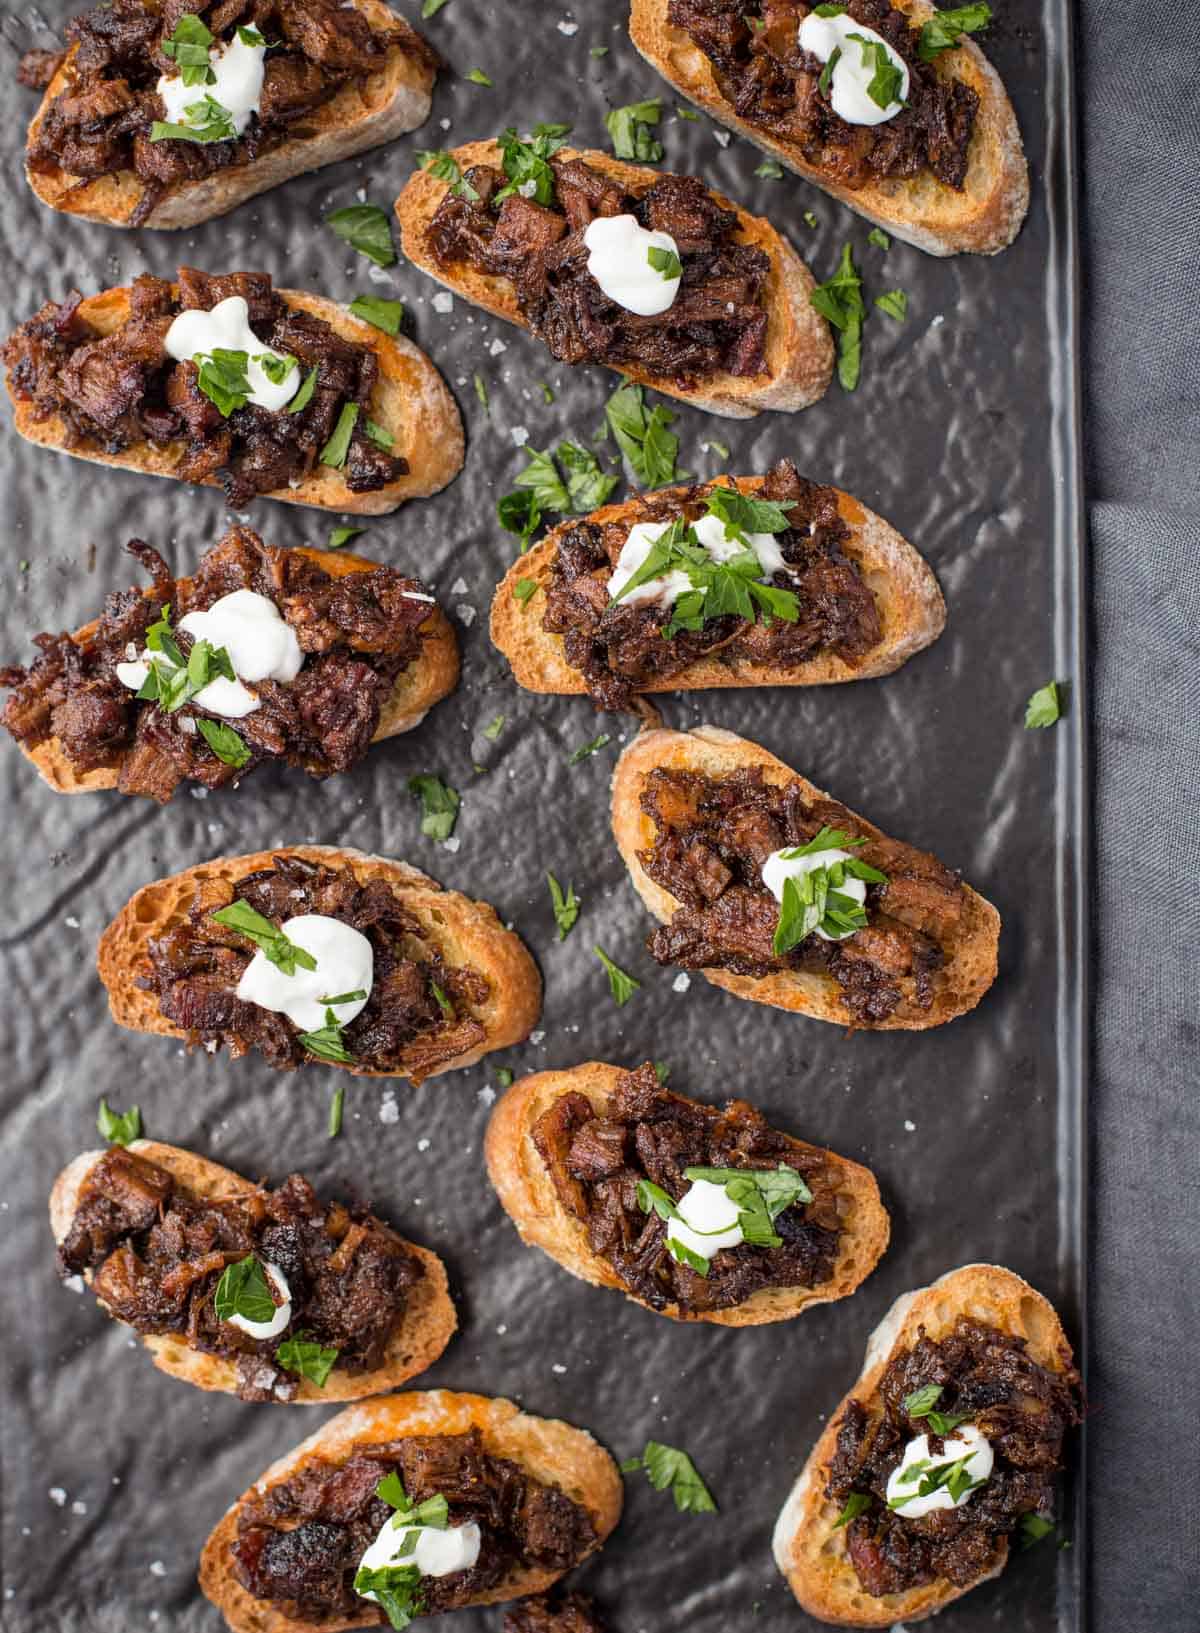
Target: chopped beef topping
{"x": 620, "y": 649}
{"x": 358, "y": 633}
{"x": 644, "y": 1132}
{"x": 546, "y": 1613}
{"x": 718, "y": 322}
{"x": 116, "y": 391}
{"x": 194, "y": 970}
{"x": 773, "y": 85}
{"x": 1023, "y": 1409}
{"x": 100, "y": 124}
{"x": 299, "y": 1544}
{"x": 157, "y": 1253}
{"x": 713, "y": 835}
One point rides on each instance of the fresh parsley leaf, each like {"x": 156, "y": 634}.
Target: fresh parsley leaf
{"x": 919, "y": 1402}
{"x": 439, "y": 805}
{"x": 275, "y": 946}
{"x": 770, "y": 170}
{"x": 1033, "y": 1528}
{"x": 946, "y": 28}
{"x": 119, "y": 1127}
{"x": 894, "y": 302}
{"x": 188, "y": 47}
{"x": 207, "y": 121}
{"x": 815, "y": 900}
{"x": 721, "y": 449}
{"x": 397, "y": 1588}
{"x": 367, "y": 229}
{"x": 777, "y": 1188}
{"x": 668, "y": 1468}
{"x": 856, "y": 1503}
{"x": 547, "y": 394}
{"x": 430, "y": 8}
{"x": 481, "y": 391}
{"x": 810, "y": 219}
{"x": 825, "y": 82}
{"x": 840, "y": 300}
{"x": 326, "y": 1042}
{"x": 743, "y": 514}
{"x": 944, "y": 1423}
{"x": 829, "y": 9}
{"x": 336, "y": 1107}
{"x": 445, "y": 167}
{"x": 652, "y": 1197}
{"x": 521, "y": 514}
{"x": 242, "y": 1290}
{"x": 879, "y": 238}
{"x": 228, "y": 745}
{"x": 251, "y": 37}
{"x": 494, "y": 727}
{"x": 598, "y": 51}
{"x": 380, "y": 313}
{"x": 621, "y": 985}
{"x": 643, "y": 436}
{"x": 307, "y": 386}
{"x": 306, "y": 1358}
{"x": 380, "y": 435}
{"x": 335, "y": 450}
{"x": 222, "y": 378}
{"x": 887, "y": 78}
{"x": 586, "y": 749}
{"x": 443, "y": 1003}
{"x": 587, "y": 485}
{"x": 566, "y": 908}
{"x": 342, "y": 535}
{"x": 526, "y": 163}
{"x": 478, "y": 77}
{"x": 524, "y": 590}
{"x": 665, "y": 262}
{"x": 631, "y": 131}
{"x": 546, "y": 486}
{"x": 504, "y": 1077}
{"x": 1044, "y": 707}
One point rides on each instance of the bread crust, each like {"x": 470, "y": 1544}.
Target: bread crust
{"x": 911, "y": 608}
{"x": 466, "y": 932}
{"x": 410, "y": 400}
{"x": 429, "y": 678}
{"x": 970, "y": 966}
{"x": 809, "y": 1552}
{"x": 983, "y": 219}
{"x": 394, "y": 99}
{"x": 429, "y": 1317}
{"x": 527, "y": 1194}
{"x": 552, "y": 1451}
{"x": 799, "y": 350}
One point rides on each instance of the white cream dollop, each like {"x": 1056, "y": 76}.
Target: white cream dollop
{"x": 283, "y": 1311}
{"x": 345, "y": 963}
{"x": 852, "y": 74}
{"x": 711, "y": 532}
{"x": 780, "y": 866}
{"x": 438, "y": 1553}
{"x": 618, "y": 258}
{"x": 904, "y": 1481}
{"x": 709, "y": 1220}
{"x": 196, "y": 333}
{"x": 261, "y": 645}
{"x": 238, "y": 68}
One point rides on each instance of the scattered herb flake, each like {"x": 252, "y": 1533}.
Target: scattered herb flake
{"x": 380, "y": 313}
{"x": 586, "y": 749}
{"x": 119, "y": 1127}
{"x": 439, "y": 805}
{"x": 620, "y": 984}
{"x": 1044, "y": 707}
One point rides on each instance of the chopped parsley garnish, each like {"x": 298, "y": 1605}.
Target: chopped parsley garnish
{"x": 524, "y": 590}
{"x": 307, "y": 386}
{"x": 520, "y": 513}
{"x": 598, "y": 51}
{"x": 430, "y": 8}
{"x": 188, "y": 48}
{"x": 366, "y": 228}
{"x": 879, "y": 238}
{"x": 920, "y": 1404}
{"x": 668, "y": 1468}
{"x": 1034, "y": 1527}
{"x": 526, "y": 163}
{"x": 433, "y": 1513}
{"x": 274, "y": 945}
{"x": 815, "y": 899}
{"x": 439, "y": 805}
{"x": 250, "y": 36}
{"x": 761, "y": 1195}
{"x": 342, "y": 535}
{"x": 504, "y": 1077}
{"x": 222, "y": 379}
{"x": 894, "y": 302}
{"x": 661, "y": 1070}
{"x": 336, "y": 1107}
{"x": 585, "y": 750}
{"x": 380, "y": 435}
{"x": 712, "y": 446}
{"x": 643, "y": 436}
{"x": 208, "y": 121}
{"x": 856, "y": 1503}
{"x": 443, "y": 1003}
{"x": 887, "y": 79}
{"x": 172, "y": 681}
{"x": 445, "y": 167}
{"x": 953, "y": 1476}
{"x": 119, "y": 1127}
{"x": 335, "y": 450}
{"x": 275, "y": 367}
{"x": 587, "y": 485}
{"x": 326, "y": 1042}
{"x": 228, "y": 745}
{"x": 380, "y": 313}
{"x": 770, "y": 170}
{"x": 306, "y": 1358}
{"x": 621, "y": 985}
{"x": 493, "y": 728}
{"x": 582, "y": 487}
{"x": 1044, "y": 707}
{"x": 547, "y": 394}
{"x": 840, "y": 300}
{"x": 810, "y": 219}
{"x": 242, "y": 1290}
{"x": 397, "y": 1588}
{"x": 481, "y": 391}
{"x": 631, "y": 130}
{"x": 566, "y": 908}
{"x": 478, "y": 77}
{"x": 825, "y": 82}
{"x": 665, "y": 262}
{"x": 946, "y": 28}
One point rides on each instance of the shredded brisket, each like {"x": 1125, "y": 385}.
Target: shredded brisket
{"x": 357, "y": 632}
{"x": 712, "y": 835}
{"x": 194, "y": 970}
{"x": 717, "y": 323}
{"x": 299, "y": 1543}
{"x": 116, "y": 391}
{"x": 157, "y": 1253}
{"x": 1023, "y": 1409}
{"x": 596, "y": 1158}
{"x": 620, "y": 649}
{"x": 771, "y": 83}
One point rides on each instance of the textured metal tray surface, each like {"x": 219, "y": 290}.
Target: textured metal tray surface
{"x": 962, "y": 433}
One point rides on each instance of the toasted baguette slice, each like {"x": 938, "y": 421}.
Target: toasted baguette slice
{"x": 429, "y": 1318}
{"x": 527, "y": 1194}
{"x": 984, "y": 217}
{"x": 465, "y": 932}
{"x": 799, "y": 351}
{"x": 809, "y": 1552}
{"x": 552, "y": 1451}
{"x": 394, "y": 99}
{"x": 427, "y": 680}
{"x": 410, "y": 400}
{"x": 970, "y": 966}
{"x": 911, "y": 609}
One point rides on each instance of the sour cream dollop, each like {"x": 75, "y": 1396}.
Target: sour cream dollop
{"x": 283, "y": 1311}
{"x": 904, "y": 1481}
{"x": 779, "y": 867}
{"x": 196, "y": 333}
{"x": 711, "y": 532}
{"x": 345, "y": 963}
{"x": 619, "y": 259}
{"x": 705, "y": 1208}
{"x": 437, "y": 1553}
{"x": 237, "y": 87}
{"x": 852, "y": 73}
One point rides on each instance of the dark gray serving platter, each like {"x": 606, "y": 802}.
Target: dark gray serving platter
{"x": 963, "y": 432}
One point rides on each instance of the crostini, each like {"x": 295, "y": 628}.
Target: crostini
{"x": 889, "y": 107}
{"x": 269, "y": 1294}
{"x": 165, "y": 116}
{"x": 696, "y": 1213}
{"x": 777, "y": 893}
{"x": 318, "y": 953}
{"x": 226, "y": 382}
{"x": 428, "y": 1502}
{"x": 651, "y": 274}
{"x": 961, "y": 1409}
{"x": 744, "y": 581}
{"x": 294, "y": 656}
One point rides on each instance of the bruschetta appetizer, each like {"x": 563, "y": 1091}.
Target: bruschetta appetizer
{"x": 945, "y": 1451}
{"x": 317, "y": 953}
{"x": 295, "y": 657}
{"x": 166, "y": 115}
{"x": 745, "y": 581}
{"x": 226, "y": 382}
{"x": 778, "y": 893}
{"x": 407, "y": 1507}
{"x": 885, "y": 104}
{"x": 651, "y": 274}
{"x": 696, "y": 1213}
{"x": 270, "y": 1294}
